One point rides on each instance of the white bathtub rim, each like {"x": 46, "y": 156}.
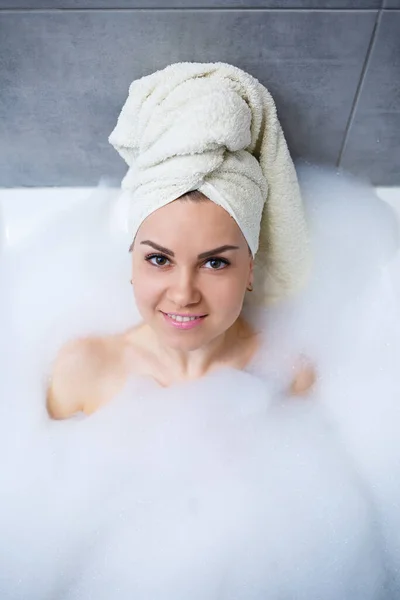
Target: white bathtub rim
{"x": 24, "y": 211}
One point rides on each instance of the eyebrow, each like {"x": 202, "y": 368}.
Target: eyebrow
{"x": 217, "y": 251}
{"x": 207, "y": 254}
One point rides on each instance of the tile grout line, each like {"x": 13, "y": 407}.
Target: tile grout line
{"x": 188, "y": 9}
{"x": 360, "y": 85}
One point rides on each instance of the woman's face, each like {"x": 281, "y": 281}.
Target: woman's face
{"x": 190, "y": 259}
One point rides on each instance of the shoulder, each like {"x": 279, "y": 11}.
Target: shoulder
{"x": 85, "y": 372}
{"x": 304, "y": 378}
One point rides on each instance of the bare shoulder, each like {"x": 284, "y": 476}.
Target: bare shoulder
{"x": 86, "y": 373}
{"x": 304, "y": 379}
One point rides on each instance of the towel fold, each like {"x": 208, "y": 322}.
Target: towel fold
{"x": 214, "y": 127}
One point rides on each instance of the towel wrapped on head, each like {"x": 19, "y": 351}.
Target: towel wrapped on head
{"x": 214, "y": 128}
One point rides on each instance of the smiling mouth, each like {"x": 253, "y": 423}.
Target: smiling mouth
{"x": 179, "y": 318}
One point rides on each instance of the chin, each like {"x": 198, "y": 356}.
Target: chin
{"x": 189, "y": 340}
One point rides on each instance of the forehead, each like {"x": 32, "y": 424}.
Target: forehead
{"x": 191, "y": 223}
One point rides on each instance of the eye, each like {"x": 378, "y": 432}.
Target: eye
{"x": 216, "y": 264}
{"x": 158, "y": 260}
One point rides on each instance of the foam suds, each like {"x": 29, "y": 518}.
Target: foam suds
{"x": 222, "y": 488}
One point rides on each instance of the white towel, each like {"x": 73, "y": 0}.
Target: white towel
{"x": 214, "y": 127}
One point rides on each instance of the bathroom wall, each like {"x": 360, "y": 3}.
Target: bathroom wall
{"x": 333, "y": 67}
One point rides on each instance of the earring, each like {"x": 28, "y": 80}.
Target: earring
{"x": 250, "y": 287}
{"x": 131, "y": 281}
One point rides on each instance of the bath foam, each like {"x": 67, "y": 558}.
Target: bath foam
{"x": 222, "y": 488}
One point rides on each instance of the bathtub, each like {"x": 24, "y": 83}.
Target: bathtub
{"x": 25, "y": 211}
{"x": 64, "y": 456}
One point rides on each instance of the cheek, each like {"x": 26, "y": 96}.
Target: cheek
{"x": 146, "y": 288}
{"x": 227, "y": 294}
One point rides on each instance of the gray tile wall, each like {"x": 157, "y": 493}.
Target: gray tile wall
{"x": 65, "y": 72}
{"x": 373, "y": 142}
{"x": 243, "y": 4}
{"x": 391, "y": 4}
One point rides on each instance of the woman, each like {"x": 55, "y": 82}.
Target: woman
{"x": 193, "y": 253}
{"x": 198, "y": 269}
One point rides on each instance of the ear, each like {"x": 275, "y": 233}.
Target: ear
{"x": 251, "y": 274}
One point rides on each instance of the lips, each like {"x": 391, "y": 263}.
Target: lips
{"x": 182, "y": 321}
{"x": 182, "y": 317}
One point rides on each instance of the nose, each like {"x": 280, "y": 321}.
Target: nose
{"x": 183, "y": 289}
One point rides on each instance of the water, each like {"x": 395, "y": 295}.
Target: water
{"x": 223, "y": 488}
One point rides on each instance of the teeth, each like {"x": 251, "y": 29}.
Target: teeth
{"x": 182, "y": 319}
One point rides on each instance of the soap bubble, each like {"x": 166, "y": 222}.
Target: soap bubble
{"x": 220, "y": 488}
